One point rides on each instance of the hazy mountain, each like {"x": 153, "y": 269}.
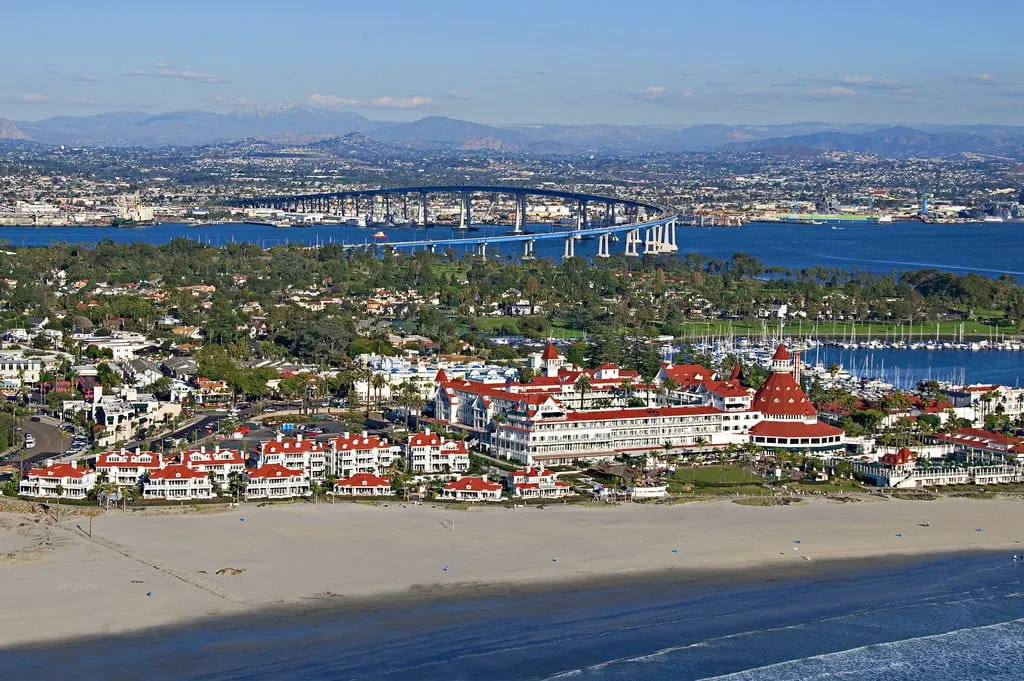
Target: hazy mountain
{"x": 296, "y": 124}
{"x": 903, "y": 142}
{"x": 195, "y": 127}
{"x": 9, "y": 131}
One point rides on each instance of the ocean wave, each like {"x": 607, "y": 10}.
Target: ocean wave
{"x": 992, "y": 652}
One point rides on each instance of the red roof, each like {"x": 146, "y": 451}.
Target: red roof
{"x": 781, "y": 353}
{"x": 781, "y": 395}
{"x": 273, "y": 470}
{"x": 435, "y": 440}
{"x": 441, "y": 377}
{"x": 295, "y": 445}
{"x": 728, "y": 388}
{"x": 532, "y": 473}
{"x": 175, "y": 471}
{"x": 549, "y": 352}
{"x": 213, "y": 457}
{"x": 59, "y": 470}
{"x": 737, "y": 372}
{"x": 359, "y": 443}
{"x": 792, "y": 429}
{"x": 364, "y": 480}
{"x": 535, "y": 485}
{"x": 900, "y": 458}
{"x": 473, "y": 485}
{"x": 128, "y": 459}
{"x": 686, "y": 375}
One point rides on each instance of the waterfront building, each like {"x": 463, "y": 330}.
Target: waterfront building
{"x": 221, "y": 462}
{"x": 430, "y": 453}
{"x": 177, "y": 481}
{"x": 982, "y": 443}
{"x": 363, "y": 484}
{"x": 58, "y": 480}
{"x": 537, "y": 483}
{"x": 274, "y": 481}
{"x": 305, "y": 455}
{"x": 361, "y": 453}
{"x": 127, "y": 468}
{"x": 900, "y": 470}
{"x": 788, "y": 420}
{"x": 471, "y": 489}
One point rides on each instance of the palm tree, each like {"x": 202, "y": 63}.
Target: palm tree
{"x": 626, "y": 386}
{"x": 378, "y": 382}
{"x": 583, "y": 384}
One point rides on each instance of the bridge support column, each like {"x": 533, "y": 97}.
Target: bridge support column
{"x": 528, "y": 250}
{"x": 632, "y": 242}
{"x": 423, "y": 209}
{"x": 466, "y": 218}
{"x": 609, "y": 214}
{"x": 604, "y": 245}
{"x": 570, "y": 248}
{"x": 432, "y": 248}
{"x": 520, "y": 219}
{"x": 581, "y": 217}
{"x": 481, "y": 250}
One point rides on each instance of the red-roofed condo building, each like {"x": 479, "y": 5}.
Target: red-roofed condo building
{"x": 274, "y": 481}
{"x": 178, "y": 481}
{"x": 307, "y": 456}
{"x": 537, "y": 483}
{"x": 58, "y": 480}
{"x": 362, "y": 484}
{"x": 221, "y": 462}
{"x": 430, "y": 453}
{"x": 361, "y": 453}
{"x": 123, "y": 467}
{"x": 472, "y": 489}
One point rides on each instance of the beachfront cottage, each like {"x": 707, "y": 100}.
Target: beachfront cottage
{"x": 274, "y": 481}
{"x": 472, "y": 489}
{"x": 363, "y": 485}
{"x": 362, "y": 453}
{"x": 176, "y": 482}
{"x": 537, "y": 483}
{"x": 305, "y": 455}
{"x": 430, "y": 453}
{"x": 58, "y": 480}
{"x": 221, "y": 462}
{"x": 126, "y": 468}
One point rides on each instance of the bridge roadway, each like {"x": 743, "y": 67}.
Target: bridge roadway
{"x": 520, "y": 238}
{"x": 445, "y": 189}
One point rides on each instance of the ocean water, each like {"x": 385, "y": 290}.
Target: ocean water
{"x": 952, "y": 619}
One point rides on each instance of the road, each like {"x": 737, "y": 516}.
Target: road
{"x": 49, "y": 443}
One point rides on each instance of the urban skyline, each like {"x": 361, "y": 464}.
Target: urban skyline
{"x": 597, "y": 62}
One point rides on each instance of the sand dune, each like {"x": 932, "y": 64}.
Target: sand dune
{"x": 141, "y": 570}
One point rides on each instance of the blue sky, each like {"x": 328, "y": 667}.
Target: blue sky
{"x": 525, "y": 61}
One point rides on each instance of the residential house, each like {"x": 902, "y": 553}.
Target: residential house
{"x": 178, "y": 481}
{"x": 537, "y": 483}
{"x": 471, "y": 489}
{"x": 361, "y": 453}
{"x": 221, "y": 462}
{"x": 363, "y": 484}
{"x": 431, "y": 453}
{"x": 58, "y": 480}
{"x": 127, "y": 468}
{"x": 307, "y": 456}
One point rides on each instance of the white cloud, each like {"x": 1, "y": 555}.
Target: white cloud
{"x": 835, "y": 91}
{"x": 82, "y": 79}
{"x": 161, "y": 64}
{"x": 982, "y": 77}
{"x": 386, "y": 102}
{"x": 415, "y": 102}
{"x": 651, "y": 92}
{"x": 35, "y": 98}
{"x": 457, "y": 94}
{"x": 184, "y": 75}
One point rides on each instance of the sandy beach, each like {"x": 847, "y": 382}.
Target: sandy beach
{"x": 147, "y": 569}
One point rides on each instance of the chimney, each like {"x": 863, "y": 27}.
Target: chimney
{"x": 796, "y": 367}
{"x": 346, "y": 434}
{"x": 74, "y": 463}
{"x": 298, "y": 438}
{"x": 202, "y": 449}
{"x": 49, "y": 462}
{"x": 426, "y": 431}
{"x": 365, "y": 434}
{"x": 138, "y": 450}
{"x": 280, "y": 437}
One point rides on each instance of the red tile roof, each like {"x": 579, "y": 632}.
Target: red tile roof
{"x": 781, "y": 353}
{"x": 900, "y": 458}
{"x": 550, "y": 352}
{"x": 473, "y": 485}
{"x": 290, "y": 445}
{"x": 792, "y": 429}
{"x": 364, "y": 480}
{"x": 273, "y": 470}
{"x": 59, "y": 470}
{"x": 359, "y": 443}
{"x": 639, "y": 412}
{"x": 441, "y": 377}
{"x": 175, "y": 471}
{"x": 781, "y": 395}
{"x": 130, "y": 460}
{"x": 686, "y": 375}
{"x": 212, "y": 457}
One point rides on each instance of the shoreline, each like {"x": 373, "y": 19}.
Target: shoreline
{"x": 145, "y": 573}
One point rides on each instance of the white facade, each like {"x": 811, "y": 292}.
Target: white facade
{"x": 308, "y": 456}
{"x": 471, "y": 489}
{"x": 431, "y": 454}
{"x": 221, "y": 462}
{"x": 361, "y": 453}
{"x": 58, "y": 480}
{"x": 178, "y": 482}
{"x": 17, "y": 370}
{"x": 273, "y": 481}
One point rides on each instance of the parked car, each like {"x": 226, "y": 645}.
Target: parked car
{"x": 30, "y": 441}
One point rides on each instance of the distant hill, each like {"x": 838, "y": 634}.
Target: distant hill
{"x": 9, "y": 131}
{"x": 902, "y": 142}
{"x": 302, "y": 125}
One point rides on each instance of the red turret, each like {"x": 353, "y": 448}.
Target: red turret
{"x": 550, "y": 352}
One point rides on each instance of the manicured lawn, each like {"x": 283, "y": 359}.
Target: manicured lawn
{"x": 713, "y": 475}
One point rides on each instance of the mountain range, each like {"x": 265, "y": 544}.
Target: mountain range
{"x": 297, "y": 124}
